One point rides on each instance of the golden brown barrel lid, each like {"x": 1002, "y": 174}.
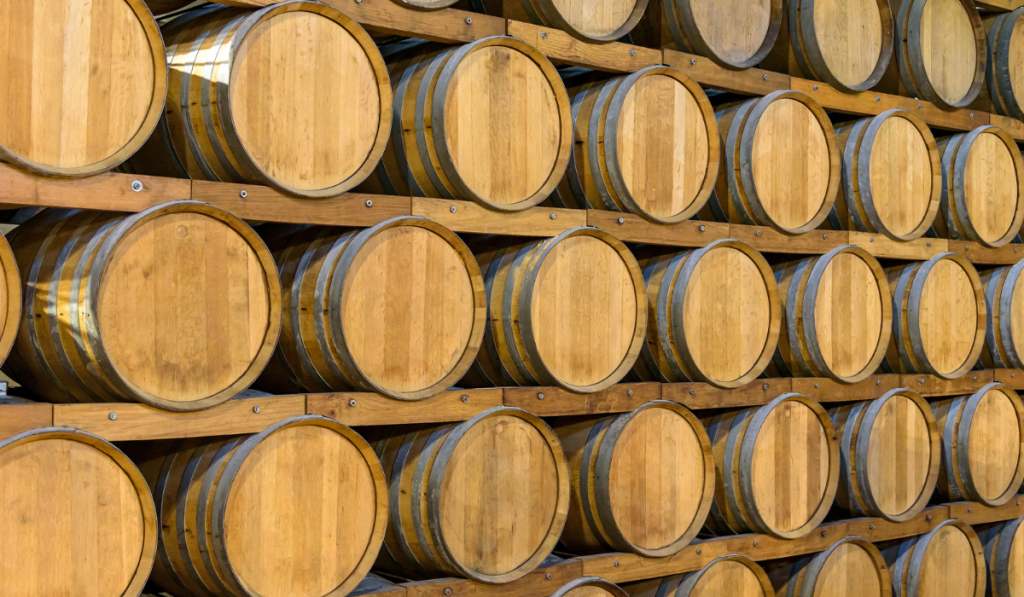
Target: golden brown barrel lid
{"x": 85, "y": 83}
{"x": 188, "y": 303}
{"x": 73, "y": 507}
{"x": 942, "y": 55}
{"x": 988, "y": 446}
{"x": 10, "y": 298}
{"x": 733, "y": 575}
{"x": 498, "y": 495}
{"x": 301, "y": 509}
{"x": 986, "y": 183}
{"x": 845, "y": 43}
{"x": 594, "y": 21}
{"x": 589, "y": 586}
{"x": 1005, "y": 54}
{"x": 946, "y": 562}
{"x": 851, "y": 567}
{"x": 734, "y": 33}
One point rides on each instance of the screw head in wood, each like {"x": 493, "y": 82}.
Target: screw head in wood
{"x": 137, "y": 185}
{"x": 871, "y": 240}
{"x": 928, "y": 518}
{"x": 112, "y": 416}
{"x": 871, "y": 526}
{"x": 632, "y": 52}
{"x": 701, "y": 228}
{"x": 629, "y": 392}
{"x": 693, "y": 61}
{"x": 448, "y": 591}
{"x": 465, "y": 398}
{"x": 824, "y": 236}
{"x": 764, "y": 387}
{"x": 616, "y": 563}
{"x": 553, "y": 216}
{"x": 970, "y": 509}
{"x": 755, "y": 543}
{"x": 692, "y": 391}
{"x": 975, "y": 378}
{"x": 765, "y": 77}
{"x": 547, "y": 576}
{"x": 919, "y": 106}
{"x": 540, "y": 396}
{"x": 928, "y": 244}
{"x": 352, "y": 402}
{"x": 469, "y": 21}
{"x": 972, "y": 114}
{"x": 243, "y": 194}
{"x": 621, "y": 221}
{"x": 700, "y": 551}
{"x": 453, "y": 209}
{"x": 757, "y": 233}
{"x": 877, "y": 99}
{"x": 817, "y": 385}
{"x": 369, "y": 203}
{"x": 256, "y": 409}
{"x": 824, "y": 533}
{"x": 878, "y": 382}
{"x": 921, "y": 381}
{"x": 543, "y": 34}
{"x": 815, "y": 87}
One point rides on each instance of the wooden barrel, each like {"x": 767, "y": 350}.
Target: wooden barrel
{"x": 485, "y": 499}
{"x": 947, "y": 561}
{"x": 646, "y": 143}
{"x": 590, "y": 586}
{"x": 78, "y": 103}
{"x": 734, "y": 34}
{"x": 938, "y": 317}
{"x": 941, "y": 51}
{"x": 1004, "y": 332}
{"x": 851, "y": 567}
{"x": 370, "y": 584}
{"x": 982, "y": 187}
{"x": 398, "y": 308}
{"x": 1005, "y": 51}
{"x": 297, "y": 509}
{"x": 838, "y": 316}
{"x": 733, "y": 575}
{"x": 488, "y": 122}
{"x": 593, "y": 21}
{"x": 683, "y": 342}
{"x": 845, "y": 43}
{"x": 73, "y": 508}
{"x": 642, "y": 481}
{"x": 781, "y": 166}
{"x": 259, "y": 97}
{"x": 776, "y": 468}
{"x": 892, "y": 176}
{"x": 566, "y": 311}
{"x": 177, "y": 306}
{"x": 1003, "y": 541}
{"x": 10, "y": 298}
{"x": 891, "y": 455}
{"x": 982, "y": 445}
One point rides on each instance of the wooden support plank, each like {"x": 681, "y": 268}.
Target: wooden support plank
{"x": 539, "y": 583}
{"x": 769, "y": 240}
{"x": 562, "y": 48}
{"x": 1011, "y": 377}
{"x": 885, "y": 248}
{"x": 470, "y": 217}
{"x": 752, "y": 81}
{"x": 864, "y": 103}
{"x": 139, "y": 422}
{"x": 701, "y": 395}
{"x": 979, "y": 255}
{"x": 366, "y": 408}
{"x": 973, "y": 513}
{"x": 828, "y": 390}
{"x": 19, "y": 418}
{"x": 635, "y": 229}
{"x": 448, "y": 25}
{"x": 555, "y": 402}
{"x": 111, "y": 192}
{"x": 963, "y": 119}
{"x": 930, "y": 385}
{"x": 254, "y": 202}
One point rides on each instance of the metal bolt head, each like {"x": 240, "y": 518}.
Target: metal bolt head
{"x": 871, "y": 240}
{"x": 970, "y": 509}
{"x": 928, "y": 244}
{"x": 553, "y": 216}
{"x": 616, "y": 563}
{"x": 543, "y": 34}
{"x": 692, "y": 391}
{"x": 878, "y": 382}
{"x": 817, "y": 385}
{"x": 701, "y": 228}
{"x": 928, "y": 518}
{"x": 755, "y": 544}
{"x": 547, "y": 576}
{"x": 465, "y": 398}
{"x": 972, "y": 114}
{"x": 877, "y": 99}
{"x": 765, "y": 77}
{"x": 975, "y": 378}
{"x": 352, "y": 402}
{"x": 621, "y": 221}
{"x": 448, "y": 591}
{"x": 540, "y": 396}
{"x": 824, "y": 533}
{"x": 815, "y": 87}
{"x": 137, "y": 185}
{"x": 693, "y": 61}
{"x": 256, "y": 409}
{"x": 469, "y": 21}
{"x": 871, "y": 526}
{"x": 757, "y": 233}
{"x": 921, "y": 381}
{"x": 629, "y": 392}
{"x": 369, "y": 203}
{"x": 632, "y": 52}
{"x": 824, "y": 236}
{"x": 112, "y": 416}
{"x": 764, "y": 387}
{"x": 243, "y": 194}
{"x": 453, "y": 209}
{"x": 919, "y": 106}
{"x": 700, "y": 551}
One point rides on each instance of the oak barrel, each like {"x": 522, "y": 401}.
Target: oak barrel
{"x": 733, "y": 575}
{"x": 851, "y": 567}
{"x": 837, "y": 315}
{"x": 726, "y": 278}
{"x": 398, "y": 308}
{"x": 589, "y": 586}
{"x": 177, "y": 306}
{"x": 892, "y": 176}
{"x": 948, "y": 561}
{"x": 845, "y": 43}
{"x": 781, "y": 165}
{"x": 891, "y": 454}
{"x": 485, "y": 499}
{"x": 297, "y": 509}
{"x": 1005, "y": 78}
{"x": 592, "y": 21}
{"x": 1004, "y": 332}
{"x": 776, "y": 468}
{"x": 487, "y": 121}
{"x": 982, "y": 187}
{"x": 1003, "y": 542}
{"x": 566, "y": 311}
{"x": 10, "y": 298}
{"x": 371, "y": 583}
{"x": 734, "y": 34}
{"x": 938, "y": 317}
{"x": 645, "y": 143}
{"x": 85, "y": 84}
{"x": 292, "y": 95}
{"x": 73, "y": 508}
{"x": 941, "y": 51}
{"x": 642, "y": 481}
{"x": 982, "y": 445}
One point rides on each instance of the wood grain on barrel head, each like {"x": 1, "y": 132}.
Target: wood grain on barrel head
{"x": 70, "y": 517}
{"x": 595, "y": 18}
{"x": 657, "y": 478}
{"x": 1015, "y": 569}
{"x": 502, "y": 124}
{"x": 301, "y": 512}
{"x": 731, "y": 578}
{"x": 663, "y": 145}
{"x": 588, "y": 590}
{"x": 499, "y": 495}
{"x": 1015, "y": 58}
{"x": 990, "y": 186}
{"x": 899, "y": 456}
{"x": 302, "y": 73}
{"x": 408, "y": 309}
{"x": 849, "y": 35}
{"x": 79, "y": 80}
{"x": 848, "y": 314}
{"x": 949, "y": 48}
{"x": 790, "y": 466}
{"x": 901, "y": 175}
{"x": 727, "y": 314}
{"x": 733, "y": 29}
{"x": 849, "y": 571}
{"x": 994, "y": 445}
{"x": 948, "y": 567}
{"x": 948, "y": 316}
{"x": 790, "y": 161}
{"x": 183, "y": 306}
{"x": 584, "y": 307}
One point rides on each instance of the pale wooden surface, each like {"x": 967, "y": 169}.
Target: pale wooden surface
{"x": 1004, "y": 301}
{"x": 85, "y": 83}
{"x": 995, "y": 443}
{"x": 850, "y": 568}
{"x": 849, "y": 36}
{"x": 903, "y": 453}
{"x": 949, "y": 566}
{"x": 594, "y": 19}
{"x": 733, "y": 30}
{"x": 948, "y": 42}
{"x": 848, "y": 312}
{"x": 739, "y": 577}
{"x": 990, "y": 185}
{"x": 949, "y": 316}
